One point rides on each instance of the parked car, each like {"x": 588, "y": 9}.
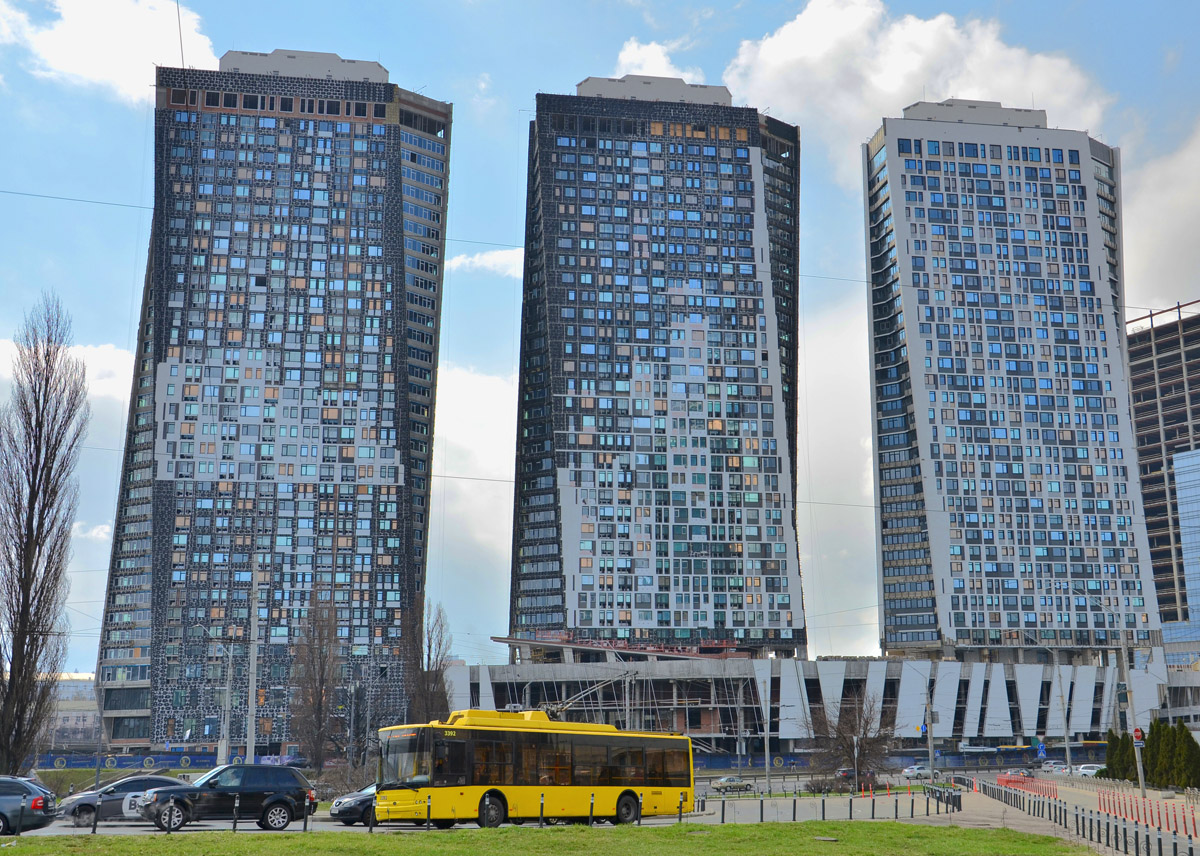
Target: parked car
{"x": 272, "y": 796}
{"x": 917, "y": 771}
{"x": 354, "y": 807}
{"x": 864, "y": 776}
{"x": 39, "y": 805}
{"x": 730, "y": 784}
{"x": 1048, "y": 766}
{"x": 1088, "y": 769}
{"x": 120, "y": 800}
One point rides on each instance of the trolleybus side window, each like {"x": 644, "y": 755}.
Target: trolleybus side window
{"x": 591, "y": 762}
{"x": 630, "y": 765}
{"x": 450, "y": 762}
{"x": 493, "y": 762}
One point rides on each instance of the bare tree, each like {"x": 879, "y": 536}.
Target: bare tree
{"x": 427, "y": 683}
{"x": 848, "y": 734}
{"x": 316, "y": 676}
{"x": 42, "y": 428}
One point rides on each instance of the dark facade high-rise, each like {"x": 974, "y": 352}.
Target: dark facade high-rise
{"x": 1164, "y": 372}
{"x": 656, "y": 434}
{"x": 280, "y": 424}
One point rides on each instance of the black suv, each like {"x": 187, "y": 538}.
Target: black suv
{"x": 39, "y": 805}
{"x": 272, "y": 796}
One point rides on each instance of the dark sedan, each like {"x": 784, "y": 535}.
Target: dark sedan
{"x": 24, "y": 804}
{"x": 354, "y": 808}
{"x": 120, "y": 800}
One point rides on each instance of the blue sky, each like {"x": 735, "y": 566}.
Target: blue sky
{"x": 75, "y": 79}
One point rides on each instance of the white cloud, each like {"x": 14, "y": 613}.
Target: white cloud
{"x": 840, "y": 66}
{"x": 109, "y": 368}
{"x": 110, "y": 373}
{"x": 113, "y": 45}
{"x": 483, "y": 99}
{"x": 503, "y": 262}
{"x": 470, "y": 533}
{"x": 1158, "y": 193}
{"x": 653, "y": 58}
{"x": 98, "y": 532}
{"x": 834, "y": 511}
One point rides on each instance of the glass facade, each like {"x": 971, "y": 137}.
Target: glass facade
{"x": 280, "y": 426}
{"x": 656, "y": 430}
{"x": 1004, "y": 454}
{"x": 1182, "y": 636}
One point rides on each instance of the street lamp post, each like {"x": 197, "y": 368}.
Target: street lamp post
{"x": 1124, "y": 657}
{"x": 225, "y": 738}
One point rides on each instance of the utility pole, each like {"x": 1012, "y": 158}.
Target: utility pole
{"x": 929, "y": 719}
{"x": 226, "y": 736}
{"x": 766, "y": 699}
{"x": 1130, "y": 715}
{"x": 368, "y": 730}
{"x": 1123, "y": 662}
{"x": 252, "y": 701}
{"x": 1066, "y": 714}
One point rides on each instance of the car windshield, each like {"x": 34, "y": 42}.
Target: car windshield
{"x": 203, "y": 780}
{"x": 405, "y": 757}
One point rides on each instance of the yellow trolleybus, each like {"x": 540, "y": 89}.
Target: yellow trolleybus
{"x": 490, "y": 767}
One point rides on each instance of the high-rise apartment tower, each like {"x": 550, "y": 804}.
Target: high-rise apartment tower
{"x": 1010, "y": 519}
{"x": 280, "y": 427}
{"x": 1164, "y": 370}
{"x": 657, "y": 417}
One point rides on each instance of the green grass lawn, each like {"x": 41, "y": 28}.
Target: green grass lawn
{"x": 768, "y": 839}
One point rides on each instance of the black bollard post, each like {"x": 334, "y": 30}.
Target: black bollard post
{"x": 850, "y": 810}
{"x": 96, "y": 813}
{"x": 372, "y": 819}
{"x": 793, "y": 809}
{"x": 872, "y": 808}
{"x": 303, "y": 828}
{"x": 542, "y": 811}
{"x": 927, "y": 804}
{"x": 428, "y": 812}
{"x": 680, "y": 806}
{"x": 237, "y": 806}
{"x": 912, "y": 807}
{"x": 21, "y": 816}
{"x": 170, "y": 813}
{"x": 487, "y": 805}
{"x": 760, "y": 809}
{"x": 592, "y": 809}
{"x": 822, "y": 808}
{"x": 639, "y": 809}
{"x": 722, "y": 809}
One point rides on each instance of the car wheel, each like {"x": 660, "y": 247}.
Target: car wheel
{"x": 491, "y": 811}
{"x": 172, "y": 817}
{"x": 368, "y": 816}
{"x": 83, "y": 815}
{"x": 5, "y": 829}
{"x": 627, "y": 809}
{"x": 277, "y": 817}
